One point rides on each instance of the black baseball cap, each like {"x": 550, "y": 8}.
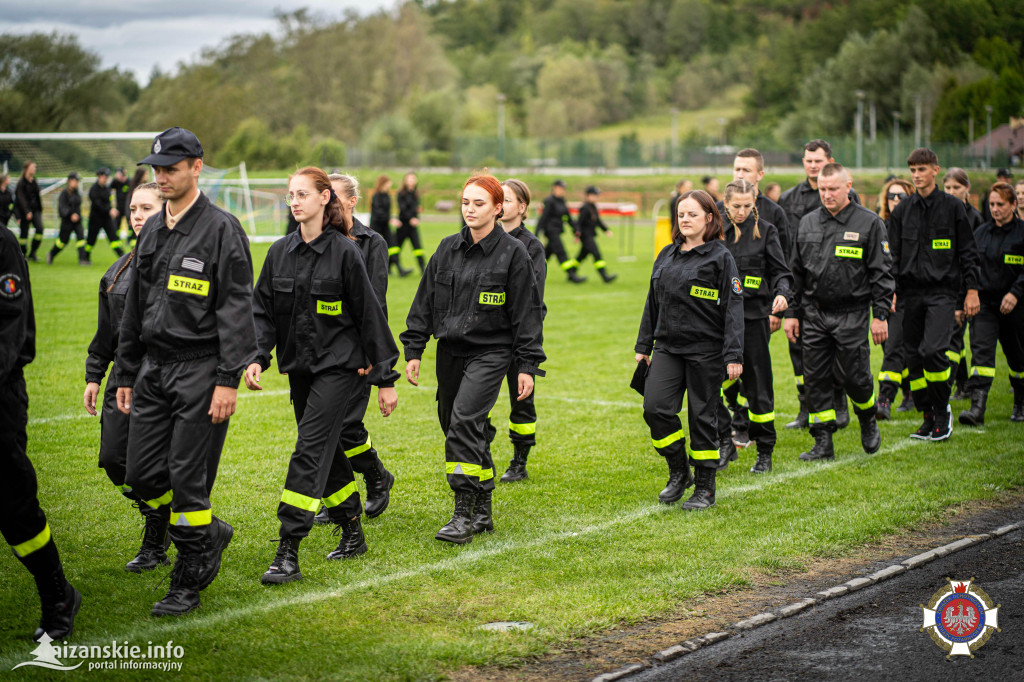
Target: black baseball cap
{"x": 172, "y": 146}
{"x": 74, "y": 176}
{"x": 1004, "y": 173}
{"x": 593, "y": 190}
{"x": 558, "y": 183}
{"x": 102, "y": 170}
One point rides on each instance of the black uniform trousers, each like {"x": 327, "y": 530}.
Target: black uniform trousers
{"x": 114, "y": 441}
{"x": 894, "y": 356}
{"x": 467, "y": 388}
{"x": 928, "y": 322}
{"x": 555, "y": 248}
{"x": 957, "y": 355}
{"x": 756, "y": 388}
{"x": 698, "y": 376}
{"x": 174, "y": 447}
{"x": 355, "y": 444}
{"x": 522, "y": 416}
{"x": 412, "y": 234}
{"x": 66, "y": 228}
{"x": 315, "y": 470}
{"x": 836, "y": 347}
{"x": 37, "y": 238}
{"x": 102, "y": 221}
{"x": 588, "y": 247}
{"x": 394, "y": 248}
{"x": 988, "y": 327}
{"x": 22, "y": 521}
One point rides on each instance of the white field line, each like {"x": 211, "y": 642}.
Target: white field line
{"x": 462, "y": 560}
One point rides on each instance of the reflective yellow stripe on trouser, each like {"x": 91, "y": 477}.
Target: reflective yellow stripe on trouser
{"x": 339, "y": 497}
{"x": 989, "y": 372}
{"x": 953, "y": 357}
{"x": 799, "y": 380}
{"x": 304, "y": 502}
{"x": 762, "y": 418}
{"x": 894, "y": 377}
{"x": 162, "y": 500}
{"x": 571, "y": 263}
{"x": 359, "y": 449}
{"x": 23, "y": 549}
{"x": 702, "y": 454}
{"x": 936, "y": 377}
{"x": 467, "y": 469}
{"x": 1016, "y": 375}
{"x": 668, "y": 440}
{"x": 822, "y": 417}
{"x": 918, "y": 384}
{"x": 866, "y": 405}
{"x": 203, "y": 517}
{"x": 523, "y": 429}
{"x": 393, "y": 250}
{"x": 600, "y": 265}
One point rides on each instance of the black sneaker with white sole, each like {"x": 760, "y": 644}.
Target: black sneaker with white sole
{"x": 943, "y": 428}
{"x": 924, "y": 432}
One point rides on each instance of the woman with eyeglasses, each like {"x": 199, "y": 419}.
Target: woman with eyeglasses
{"x": 314, "y": 302}
{"x": 957, "y": 183}
{"x": 893, "y": 374}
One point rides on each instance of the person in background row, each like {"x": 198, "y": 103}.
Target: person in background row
{"x": 22, "y": 521}
{"x": 522, "y": 418}
{"x": 893, "y": 374}
{"x": 710, "y": 184}
{"x": 767, "y": 283}
{"x": 28, "y": 207}
{"x": 935, "y": 263}
{"x": 6, "y": 199}
{"x": 314, "y": 302}
{"x": 408, "y": 198}
{"x": 682, "y": 186}
{"x": 138, "y": 178}
{"x": 842, "y": 273}
{"x": 381, "y": 222}
{"x": 101, "y": 215}
{"x": 956, "y": 183}
{"x": 693, "y": 324}
{"x": 1019, "y": 190}
{"x": 479, "y": 298}
{"x": 144, "y": 202}
{"x": 554, "y": 218}
{"x": 186, "y": 336}
{"x": 1001, "y": 317}
{"x": 774, "y": 192}
{"x": 587, "y": 223}
{"x": 69, "y": 208}
{"x": 1002, "y": 175}
{"x": 122, "y": 191}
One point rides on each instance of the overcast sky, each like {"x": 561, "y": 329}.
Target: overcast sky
{"x": 137, "y": 36}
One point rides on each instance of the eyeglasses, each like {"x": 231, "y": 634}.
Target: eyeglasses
{"x": 896, "y": 195}
{"x": 297, "y": 196}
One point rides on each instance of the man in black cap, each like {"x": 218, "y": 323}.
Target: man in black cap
{"x": 554, "y": 216}
{"x": 101, "y": 216}
{"x": 586, "y": 232}
{"x": 186, "y": 336}
{"x": 1002, "y": 175}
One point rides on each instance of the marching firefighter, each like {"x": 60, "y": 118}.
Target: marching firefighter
{"x": 69, "y": 207}
{"x": 553, "y": 219}
{"x": 381, "y": 222}
{"x": 693, "y": 323}
{"x": 314, "y": 302}
{"x": 28, "y": 208}
{"x": 479, "y": 298}
{"x": 587, "y": 223}
{"x": 408, "y": 199}
{"x": 102, "y": 214}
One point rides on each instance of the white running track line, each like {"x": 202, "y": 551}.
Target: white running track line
{"x": 461, "y": 560}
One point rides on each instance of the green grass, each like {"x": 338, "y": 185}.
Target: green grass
{"x": 581, "y": 547}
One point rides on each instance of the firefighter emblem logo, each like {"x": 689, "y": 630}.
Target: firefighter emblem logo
{"x": 10, "y": 286}
{"x": 156, "y": 147}
{"x": 737, "y": 288}
{"x": 960, "y": 618}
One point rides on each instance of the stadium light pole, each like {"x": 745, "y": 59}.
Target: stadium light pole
{"x": 860, "y": 128}
{"x": 501, "y": 126}
{"x": 988, "y": 136}
{"x": 896, "y": 139}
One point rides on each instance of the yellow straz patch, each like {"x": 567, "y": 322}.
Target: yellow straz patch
{"x": 487, "y": 298}
{"x": 849, "y": 252}
{"x": 328, "y": 307}
{"x": 702, "y": 292}
{"x": 1011, "y": 259}
{"x": 187, "y": 285}
{"x": 941, "y": 244}
{"x": 751, "y": 282}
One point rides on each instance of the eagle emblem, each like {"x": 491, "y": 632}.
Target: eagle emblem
{"x": 960, "y": 618}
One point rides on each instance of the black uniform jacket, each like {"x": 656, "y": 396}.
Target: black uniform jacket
{"x": 1002, "y": 260}
{"x": 842, "y": 262}
{"x": 28, "y": 198}
{"x": 122, "y": 190}
{"x": 380, "y": 211}
{"x": 974, "y": 217}
{"x": 695, "y": 303}
{"x": 99, "y": 200}
{"x": 800, "y": 200}
{"x": 408, "y": 206}
{"x": 589, "y": 220}
{"x": 17, "y": 319}
{"x": 476, "y": 298}
{"x": 108, "y": 320}
{"x": 69, "y": 203}
{"x": 553, "y": 215}
{"x": 933, "y": 247}
{"x": 535, "y": 250}
{"x": 315, "y": 303}
{"x": 374, "y": 249}
{"x": 6, "y": 205}
{"x": 190, "y": 295}
{"x": 763, "y": 270}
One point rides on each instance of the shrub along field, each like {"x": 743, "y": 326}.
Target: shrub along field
{"x": 580, "y": 547}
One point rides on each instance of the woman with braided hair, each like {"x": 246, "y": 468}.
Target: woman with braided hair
{"x": 766, "y": 283}
{"x": 145, "y": 201}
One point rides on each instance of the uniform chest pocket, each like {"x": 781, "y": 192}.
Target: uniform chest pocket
{"x": 326, "y": 295}
{"x": 703, "y": 291}
{"x": 491, "y": 292}
{"x": 941, "y": 241}
{"x": 189, "y": 280}
{"x": 443, "y": 290}
{"x": 751, "y": 270}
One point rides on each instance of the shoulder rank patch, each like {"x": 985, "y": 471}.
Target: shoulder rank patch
{"x": 737, "y": 288}
{"x": 193, "y": 264}
{"x": 10, "y": 286}
{"x": 851, "y": 236}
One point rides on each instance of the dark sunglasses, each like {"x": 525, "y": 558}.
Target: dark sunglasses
{"x": 897, "y": 195}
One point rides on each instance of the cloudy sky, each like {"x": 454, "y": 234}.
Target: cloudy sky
{"x": 137, "y": 36}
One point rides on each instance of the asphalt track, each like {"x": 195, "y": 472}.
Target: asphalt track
{"x": 875, "y": 633}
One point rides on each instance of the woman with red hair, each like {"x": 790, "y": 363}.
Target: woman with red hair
{"x": 479, "y": 298}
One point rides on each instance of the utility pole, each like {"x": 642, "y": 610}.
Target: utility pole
{"x": 988, "y": 136}
{"x": 860, "y": 128}
{"x": 896, "y": 139}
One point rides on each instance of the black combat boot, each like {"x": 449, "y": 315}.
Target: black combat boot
{"x": 352, "y": 543}
{"x": 822, "y": 448}
{"x": 870, "y": 437}
{"x": 285, "y": 567}
{"x": 679, "y": 479}
{"x": 842, "y": 409}
{"x": 907, "y": 404}
{"x": 220, "y": 533}
{"x": 886, "y": 392}
{"x": 605, "y": 276}
{"x": 517, "y": 467}
{"x": 483, "y": 521}
{"x": 460, "y": 529}
{"x": 726, "y": 453}
{"x": 322, "y": 518}
{"x": 575, "y": 278}
{"x": 379, "y": 482}
{"x": 763, "y": 465}
{"x": 155, "y": 540}
{"x": 58, "y": 599}
{"x": 183, "y": 594}
{"x": 975, "y": 415}
{"x": 801, "y": 418}
{"x": 703, "y": 491}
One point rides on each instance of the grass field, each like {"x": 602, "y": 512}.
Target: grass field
{"x": 580, "y": 547}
